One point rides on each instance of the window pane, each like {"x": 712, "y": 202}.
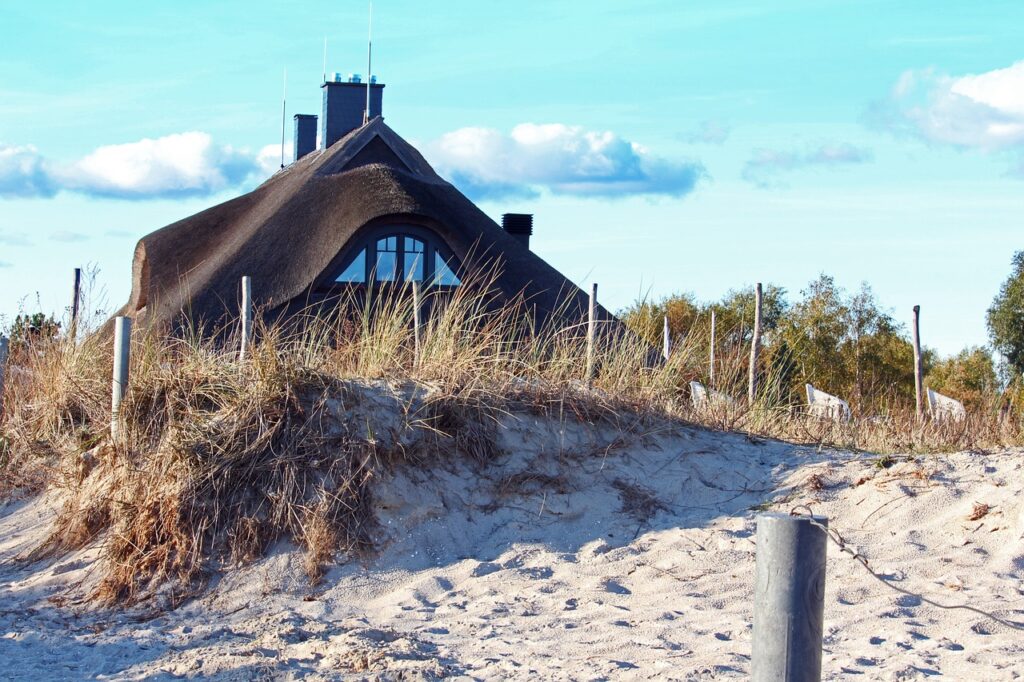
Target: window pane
{"x": 356, "y": 270}
{"x": 386, "y": 266}
{"x": 444, "y": 275}
{"x": 413, "y": 245}
{"x": 413, "y": 266}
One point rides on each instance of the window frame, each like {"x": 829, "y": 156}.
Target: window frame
{"x": 367, "y": 238}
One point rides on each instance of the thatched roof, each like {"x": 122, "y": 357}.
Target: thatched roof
{"x": 287, "y": 232}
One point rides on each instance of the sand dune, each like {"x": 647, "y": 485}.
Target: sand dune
{"x": 578, "y": 555}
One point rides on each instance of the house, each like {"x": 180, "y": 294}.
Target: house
{"x": 360, "y": 209}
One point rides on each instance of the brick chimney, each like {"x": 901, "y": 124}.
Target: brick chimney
{"x": 344, "y": 104}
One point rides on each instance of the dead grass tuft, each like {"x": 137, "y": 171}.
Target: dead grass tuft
{"x": 979, "y": 511}
{"x": 638, "y": 501}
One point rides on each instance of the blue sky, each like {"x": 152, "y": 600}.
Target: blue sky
{"x": 662, "y": 146}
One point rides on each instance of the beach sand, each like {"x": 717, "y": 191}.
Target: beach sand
{"x": 580, "y": 554}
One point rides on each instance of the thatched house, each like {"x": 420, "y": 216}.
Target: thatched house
{"x": 363, "y": 208}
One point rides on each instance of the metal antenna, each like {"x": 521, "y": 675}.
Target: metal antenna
{"x": 369, "y": 65}
{"x": 325, "y": 60}
{"x": 284, "y": 102}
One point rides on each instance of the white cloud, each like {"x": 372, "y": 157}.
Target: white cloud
{"x": 562, "y": 159}
{"x": 22, "y": 172}
{"x": 175, "y": 165}
{"x": 182, "y": 164}
{"x": 981, "y": 111}
{"x": 269, "y": 158}
{"x": 765, "y": 165}
{"x": 482, "y": 162}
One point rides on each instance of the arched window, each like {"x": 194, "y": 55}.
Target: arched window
{"x": 401, "y": 253}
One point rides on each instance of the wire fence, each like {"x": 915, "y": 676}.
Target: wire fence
{"x": 838, "y": 540}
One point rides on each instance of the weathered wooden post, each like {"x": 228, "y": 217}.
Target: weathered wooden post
{"x": 122, "y": 358}
{"x": 789, "y": 598}
{"x": 755, "y": 348}
{"x": 246, "y": 317}
{"x": 591, "y": 331}
{"x": 76, "y": 297}
{"x": 711, "y": 378}
{"x": 5, "y": 347}
{"x": 666, "y": 341}
{"x": 918, "y": 386}
{"x": 416, "y": 321}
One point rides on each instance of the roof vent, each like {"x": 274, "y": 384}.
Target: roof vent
{"x": 355, "y": 78}
{"x": 519, "y": 225}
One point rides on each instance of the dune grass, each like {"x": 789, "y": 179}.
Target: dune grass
{"x": 217, "y": 459}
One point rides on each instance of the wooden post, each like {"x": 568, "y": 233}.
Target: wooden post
{"x": 755, "y": 348}
{"x": 666, "y": 341}
{"x": 122, "y": 358}
{"x": 5, "y": 348}
{"x": 789, "y": 598}
{"x": 416, "y": 322}
{"x": 76, "y": 297}
{"x": 918, "y": 386}
{"x": 591, "y": 331}
{"x": 711, "y": 379}
{"x": 246, "y": 317}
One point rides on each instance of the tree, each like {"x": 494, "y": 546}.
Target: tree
{"x": 847, "y": 345}
{"x": 35, "y": 327}
{"x": 734, "y": 314}
{"x": 647, "y": 318}
{"x": 1005, "y": 318}
{"x": 814, "y": 329}
{"x": 969, "y": 376}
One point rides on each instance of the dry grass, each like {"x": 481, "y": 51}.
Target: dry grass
{"x": 979, "y": 511}
{"x": 218, "y": 459}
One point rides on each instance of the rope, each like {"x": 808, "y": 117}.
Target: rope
{"x": 838, "y": 540}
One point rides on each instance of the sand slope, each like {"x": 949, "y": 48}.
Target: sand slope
{"x": 579, "y": 555}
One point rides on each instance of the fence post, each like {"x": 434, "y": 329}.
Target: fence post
{"x": 246, "y": 317}
{"x": 416, "y": 321}
{"x": 918, "y": 387}
{"x": 4, "y": 352}
{"x": 666, "y": 341}
{"x": 755, "y": 348}
{"x": 591, "y": 331}
{"x": 711, "y": 379}
{"x": 789, "y": 599}
{"x": 76, "y": 297}
{"x": 122, "y": 357}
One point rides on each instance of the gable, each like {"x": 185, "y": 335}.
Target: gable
{"x": 376, "y": 151}
{"x": 375, "y": 143}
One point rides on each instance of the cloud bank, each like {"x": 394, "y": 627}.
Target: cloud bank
{"x": 765, "y": 166}
{"x": 180, "y": 165}
{"x": 560, "y": 159}
{"x": 484, "y": 163}
{"x": 982, "y": 111}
